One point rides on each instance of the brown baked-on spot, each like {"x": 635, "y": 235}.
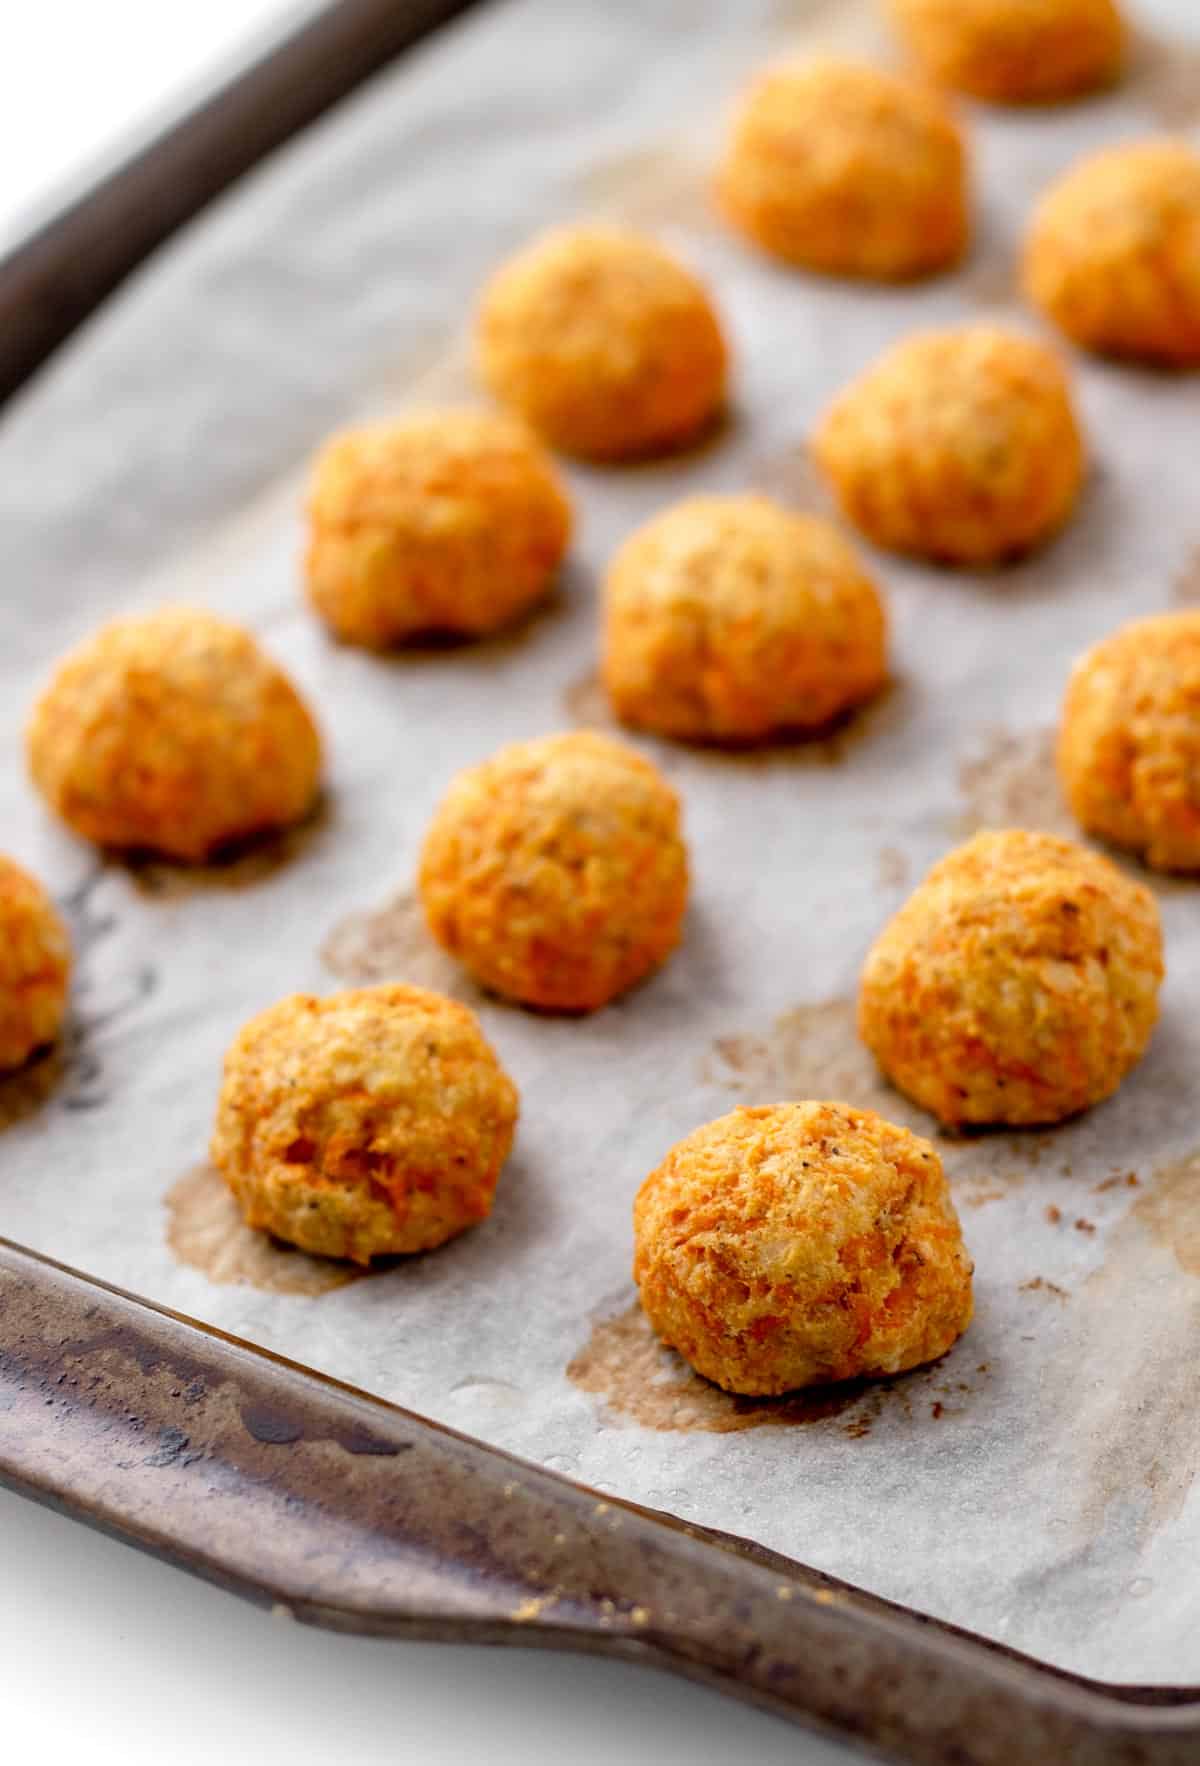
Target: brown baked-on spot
{"x": 1053, "y": 1214}
{"x": 1185, "y": 590}
{"x": 393, "y": 943}
{"x": 206, "y": 1231}
{"x": 240, "y": 865}
{"x": 1040, "y": 1285}
{"x": 1165, "y": 74}
{"x": 1013, "y": 783}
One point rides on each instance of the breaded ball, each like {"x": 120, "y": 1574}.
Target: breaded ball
{"x": 606, "y": 345}
{"x": 1015, "y": 51}
{"x": 1129, "y": 740}
{"x": 1113, "y": 253}
{"x": 730, "y": 619}
{"x": 960, "y": 446}
{"x": 446, "y": 521}
{"x": 173, "y": 732}
{"x": 556, "y": 871}
{"x": 364, "y": 1123}
{"x": 35, "y": 966}
{"x": 801, "y": 1243}
{"x": 847, "y": 170}
{"x": 1018, "y": 984}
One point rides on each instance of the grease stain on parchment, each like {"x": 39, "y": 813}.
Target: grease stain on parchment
{"x": 240, "y": 865}
{"x": 586, "y": 703}
{"x": 789, "y": 475}
{"x": 1012, "y": 782}
{"x": 393, "y": 943}
{"x": 1185, "y": 590}
{"x": 1165, "y": 74}
{"x": 206, "y": 1231}
{"x": 892, "y": 869}
{"x": 663, "y": 184}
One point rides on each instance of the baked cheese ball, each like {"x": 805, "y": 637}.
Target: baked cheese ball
{"x": 1018, "y": 984}
{"x": 733, "y": 619}
{"x": 798, "y": 1244}
{"x": 35, "y": 966}
{"x": 1129, "y": 740}
{"x": 1015, "y": 51}
{"x": 556, "y": 871}
{"x": 960, "y": 446}
{"x": 364, "y": 1123}
{"x": 172, "y": 732}
{"x": 844, "y": 169}
{"x": 606, "y": 345}
{"x": 1113, "y": 253}
{"x": 443, "y": 522}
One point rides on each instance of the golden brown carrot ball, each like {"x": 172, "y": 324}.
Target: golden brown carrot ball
{"x": 793, "y": 1245}
{"x": 365, "y": 1123}
{"x": 445, "y": 521}
{"x": 1129, "y": 740}
{"x": 730, "y": 619}
{"x": 960, "y": 446}
{"x": 845, "y": 169}
{"x": 1019, "y": 983}
{"x": 556, "y": 871}
{"x": 1113, "y": 253}
{"x": 35, "y": 966}
{"x": 1015, "y": 51}
{"x": 606, "y": 345}
{"x": 172, "y": 731}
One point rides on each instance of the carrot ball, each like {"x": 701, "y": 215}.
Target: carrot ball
{"x": 365, "y": 1123}
{"x": 173, "y": 732}
{"x": 35, "y": 966}
{"x": 960, "y": 446}
{"x": 605, "y": 344}
{"x": 1129, "y": 740}
{"x": 730, "y": 618}
{"x": 1018, "y": 984}
{"x": 447, "y": 521}
{"x": 556, "y": 871}
{"x": 1113, "y": 253}
{"x": 848, "y": 170}
{"x": 801, "y": 1243}
{"x": 1015, "y": 51}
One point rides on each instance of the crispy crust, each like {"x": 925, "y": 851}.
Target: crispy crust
{"x": 794, "y": 1245}
{"x": 1019, "y": 983}
{"x": 173, "y": 732}
{"x": 556, "y": 871}
{"x": 365, "y": 1123}
{"x": 845, "y": 169}
{"x": 730, "y": 618}
{"x": 447, "y": 521}
{"x": 35, "y": 966}
{"x": 1015, "y": 51}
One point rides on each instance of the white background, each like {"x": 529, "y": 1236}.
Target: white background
{"x": 108, "y": 1656}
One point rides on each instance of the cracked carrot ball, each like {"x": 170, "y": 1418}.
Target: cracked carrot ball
{"x": 1129, "y": 740}
{"x": 1015, "y": 51}
{"x": 1018, "y": 984}
{"x": 730, "y": 618}
{"x": 606, "y": 345}
{"x": 556, "y": 871}
{"x": 960, "y": 446}
{"x": 363, "y": 1123}
{"x": 35, "y": 966}
{"x": 447, "y": 521}
{"x": 1113, "y": 253}
{"x": 848, "y": 170}
{"x": 173, "y": 732}
{"x": 798, "y": 1244}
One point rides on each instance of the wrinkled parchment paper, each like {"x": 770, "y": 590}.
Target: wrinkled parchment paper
{"x": 1037, "y": 1484}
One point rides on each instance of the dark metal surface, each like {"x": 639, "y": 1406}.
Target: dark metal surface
{"x": 296, "y": 1491}
{"x": 53, "y": 280}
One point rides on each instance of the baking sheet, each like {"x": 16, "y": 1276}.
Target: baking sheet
{"x": 1036, "y": 1485}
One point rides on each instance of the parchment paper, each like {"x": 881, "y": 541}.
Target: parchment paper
{"x": 1037, "y": 1484}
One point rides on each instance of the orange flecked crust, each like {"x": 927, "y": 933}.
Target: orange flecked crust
{"x": 730, "y": 618}
{"x": 35, "y": 966}
{"x": 1015, "y": 51}
{"x": 447, "y": 521}
{"x": 556, "y": 871}
{"x": 1019, "y": 983}
{"x": 607, "y": 346}
{"x": 173, "y": 732}
{"x": 960, "y": 446}
{"x": 848, "y": 170}
{"x": 1129, "y": 740}
{"x": 1113, "y": 253}
{"x": 801, "y": 1243}
{"x": 364, "y": 1123}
